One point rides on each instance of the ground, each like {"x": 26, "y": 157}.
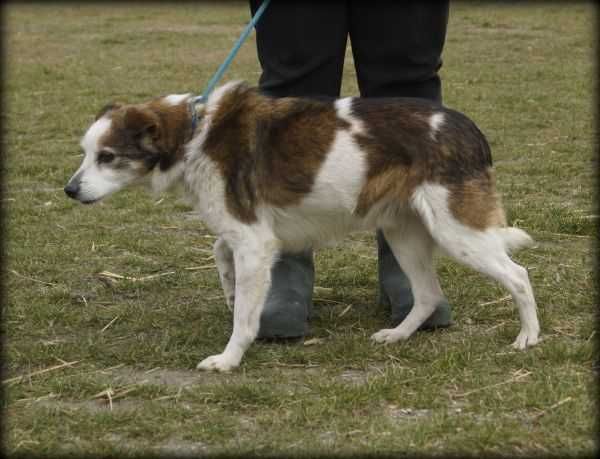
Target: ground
{"x": 98, "y": 364}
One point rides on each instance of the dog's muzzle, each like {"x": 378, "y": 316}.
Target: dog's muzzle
{"x": 73, "y": 186}
{"x": 72, "y": 189}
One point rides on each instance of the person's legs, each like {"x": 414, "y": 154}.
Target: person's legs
{"x": 397, "y": 49}
{"x": 301, "y": 47}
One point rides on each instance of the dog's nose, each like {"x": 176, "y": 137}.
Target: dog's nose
{"x": 72, "y": 189}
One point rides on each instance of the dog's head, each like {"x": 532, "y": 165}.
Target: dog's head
{"x": 128, "y": 143}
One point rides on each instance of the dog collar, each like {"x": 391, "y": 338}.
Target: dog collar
{"x": 194, "y": 113}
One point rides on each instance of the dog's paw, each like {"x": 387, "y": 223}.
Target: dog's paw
{"x": 525, "y": 340}
{"x": 218, "y": 362}
{"x": 388, "y": 336}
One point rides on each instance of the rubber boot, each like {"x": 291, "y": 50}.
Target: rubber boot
{"x": 289, "y": 302}
{"x": 395, "y": 292}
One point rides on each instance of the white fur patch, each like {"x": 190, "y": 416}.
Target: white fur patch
{"x": 341, "y": 176}
{"x": 91, "y": 138}
{"x": 205, "y": 185}
{"x": 94, "y": 183}
{"x": 435, "y": 122}
{"x": 344, "y": 111}
{"x": 176, "y": 99}
{"x": 97, "y": 182}
{"x": 215, "y": 97}
{"x": 430, "y": 200}
{"x": 326, "y": 214}
{"x": 161, "y": 181}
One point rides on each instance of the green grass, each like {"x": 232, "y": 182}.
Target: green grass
{"x": 523, "y": 73}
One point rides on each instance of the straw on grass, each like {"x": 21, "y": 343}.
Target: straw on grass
{"x": 39, "y": 372}
{"x": 551, "y": 407}
{"x": 52, "y": 284}
{"x": 499, "y": 300}
{"x": 199, "y": 268}
{"x": 113, "y": 276}
{"x": 519, "y": 374}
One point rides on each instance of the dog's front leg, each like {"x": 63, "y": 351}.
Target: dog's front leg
{"x": 253, "y": 262}
{"x": 226, "y": 267}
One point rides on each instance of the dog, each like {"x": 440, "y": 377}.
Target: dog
{"x": 285, "y": 174}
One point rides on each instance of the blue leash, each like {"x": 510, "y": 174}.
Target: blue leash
{"x": 227, "y": 62}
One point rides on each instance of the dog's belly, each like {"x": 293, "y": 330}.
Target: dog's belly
{"x": 301, "y": 228}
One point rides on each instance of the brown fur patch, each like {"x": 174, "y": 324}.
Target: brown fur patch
{"x": 402, "y": 153}
{"x": 395, "y": 142}
{"x": 154, "y": 133}
{"x": 475, "y": 202}
{"x": 268, "y": 150}
{"x": 174, "y": 131}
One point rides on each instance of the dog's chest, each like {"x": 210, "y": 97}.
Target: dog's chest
{"x": 205, "y": 185}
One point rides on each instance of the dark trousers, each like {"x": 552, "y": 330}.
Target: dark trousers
{"x": 396, "y": 45}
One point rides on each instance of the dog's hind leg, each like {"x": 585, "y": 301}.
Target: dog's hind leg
{"x": 485, "y": 251}
{"x": 226, "y": 267}
{"x": 486, "y": 254}
{"x": 413, "y": 248}
{"x": 253, "y": 259}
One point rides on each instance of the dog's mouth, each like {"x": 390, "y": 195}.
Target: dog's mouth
{"x": 80, "y": 197}
{"x": 88, "y": 201}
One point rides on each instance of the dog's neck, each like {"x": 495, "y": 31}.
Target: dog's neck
{"x": 178, "y": 119}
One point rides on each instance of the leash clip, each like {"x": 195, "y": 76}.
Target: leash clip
{"x": 201, "y": 99}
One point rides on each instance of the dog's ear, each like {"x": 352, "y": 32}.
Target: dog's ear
{"x": 142, "y": 123}
{"x": 107, "y": 108}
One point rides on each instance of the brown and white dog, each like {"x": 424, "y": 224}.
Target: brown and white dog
{"x": 269, "y": 175}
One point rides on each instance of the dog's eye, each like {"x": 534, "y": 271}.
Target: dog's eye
{"x": 105, "y": 157}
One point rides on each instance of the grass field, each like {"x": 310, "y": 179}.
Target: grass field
{"x": 98, "y": 365}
